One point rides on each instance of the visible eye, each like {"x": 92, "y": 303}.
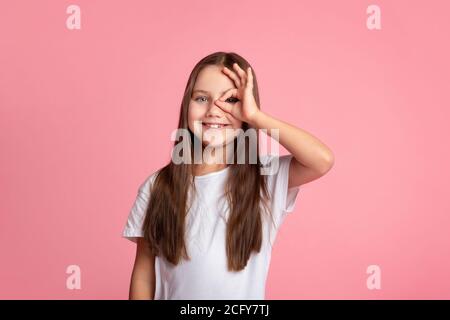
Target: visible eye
{"x": 233, "y": 100}
{"x": 201, "y": 97}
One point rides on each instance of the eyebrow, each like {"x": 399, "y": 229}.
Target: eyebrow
{"x": 204, "y": 91}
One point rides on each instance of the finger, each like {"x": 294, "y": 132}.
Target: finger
{"x": 229, "y": 93}
{"x": 241, "y": 73}
{"x": 233, "y": 76}
{"x": 250, "y": 78}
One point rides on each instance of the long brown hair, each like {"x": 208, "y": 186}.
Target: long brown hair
{"x": 246, "y": 189}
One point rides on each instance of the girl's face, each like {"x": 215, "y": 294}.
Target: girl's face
{"x": 216, "y": 125}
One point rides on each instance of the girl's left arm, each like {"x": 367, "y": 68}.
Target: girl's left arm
{"x": 312, "y": 158}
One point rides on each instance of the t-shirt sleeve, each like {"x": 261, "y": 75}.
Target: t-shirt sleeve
{"x": 283, "y": 198}
{"x": 136, "y": 216}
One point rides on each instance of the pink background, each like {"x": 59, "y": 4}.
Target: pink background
{"x": 86, "y": 116}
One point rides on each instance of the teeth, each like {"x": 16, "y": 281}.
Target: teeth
{"x": 214, "y": 126}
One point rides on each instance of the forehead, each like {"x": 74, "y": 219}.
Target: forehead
{"x": 212, "y": 79}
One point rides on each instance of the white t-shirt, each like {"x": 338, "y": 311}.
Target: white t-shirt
{"x": 206, "y": 276}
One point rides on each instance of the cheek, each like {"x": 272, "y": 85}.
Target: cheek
{"x": 195, "y": 112}
{"x": 236, "y": 124}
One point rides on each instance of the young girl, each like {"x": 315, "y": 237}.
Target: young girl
{"x": 205, "y": 230}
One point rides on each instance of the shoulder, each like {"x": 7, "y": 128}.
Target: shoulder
{"x": 272, "y": 164}
{"x": 146, "y": 185}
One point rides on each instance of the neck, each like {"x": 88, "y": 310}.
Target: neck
{"x": 202, "y": 169}
{"x": 213, "y": 160}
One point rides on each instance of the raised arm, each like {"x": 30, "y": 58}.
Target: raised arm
{"x": 312, "y": 158}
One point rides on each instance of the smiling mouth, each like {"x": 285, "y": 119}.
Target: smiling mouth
{"x": 215, "y": 125}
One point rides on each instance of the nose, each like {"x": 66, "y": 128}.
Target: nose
{"x": 214, "y": 110}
